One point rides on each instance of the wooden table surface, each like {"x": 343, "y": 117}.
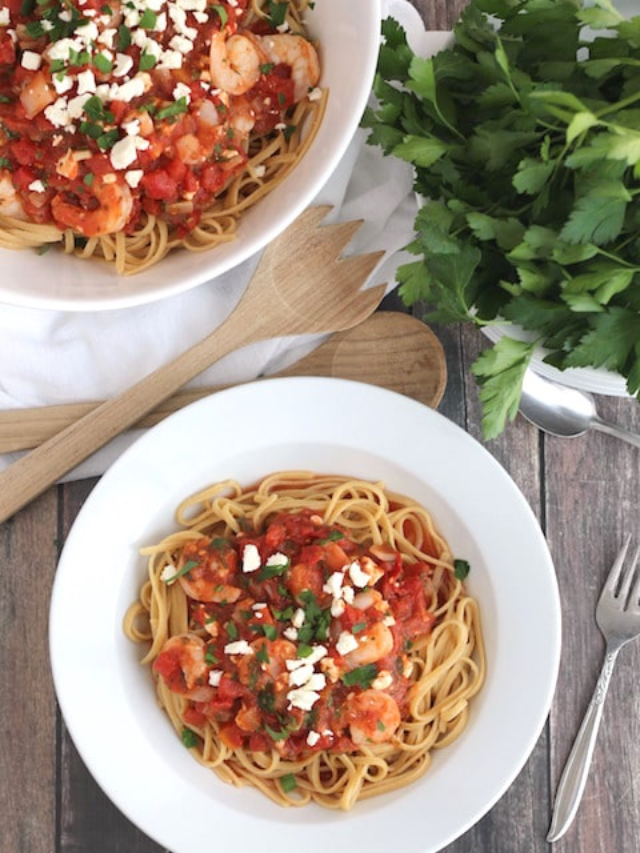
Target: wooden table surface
{"x": 586, "y": 494}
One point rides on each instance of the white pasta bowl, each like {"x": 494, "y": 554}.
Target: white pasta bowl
{"x": 348, "y": 36}
{"x": 108, "y": 700}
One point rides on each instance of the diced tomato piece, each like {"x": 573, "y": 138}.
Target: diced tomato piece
{"x": 232, "y": 736}
{"x": 160, "y": 185}
{"x": 334, "y": 556}
{"x": 213, "y": 178}
{"x": 23, "y": 176}
{"x": 275, "y": 535}
{"x": 25, "y": 151}
{"x": 7, "y": 51}
{"x": 194, "y": 717}
{"x": 177, "y": 169}
{"x": 259, "y": 742}
{"x": 229, "y": 689}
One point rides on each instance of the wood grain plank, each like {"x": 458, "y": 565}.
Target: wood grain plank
{"x": 28, "y": 556}
{"x": 598, "y": 472}
{"x": 89, "y": 821}
{"x": 518, "y": 451}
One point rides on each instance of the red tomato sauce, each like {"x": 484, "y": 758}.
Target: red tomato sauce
{"x": 299, "y": 636}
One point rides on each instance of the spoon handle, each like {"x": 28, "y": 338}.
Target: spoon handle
{"x": 616, "y": 432}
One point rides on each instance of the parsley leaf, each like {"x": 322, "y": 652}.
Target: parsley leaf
{"x": 361, "y": 676}
{"x": 524, "y": 138}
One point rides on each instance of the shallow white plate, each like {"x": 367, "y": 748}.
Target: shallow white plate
{"x": 327, "y": 425}
{"x": 349, "y": 35}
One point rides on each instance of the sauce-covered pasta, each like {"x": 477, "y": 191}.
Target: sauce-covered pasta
{"x": 149, "y": 122}
{"x": 317, "y": 621}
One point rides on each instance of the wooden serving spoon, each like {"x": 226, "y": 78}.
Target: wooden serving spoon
{"x": 301, "y": 286}
{"x": 389, "y": 349}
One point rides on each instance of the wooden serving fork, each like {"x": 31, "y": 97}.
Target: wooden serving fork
{"x": 301, "y": 285}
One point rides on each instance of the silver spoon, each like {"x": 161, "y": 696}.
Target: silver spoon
{"x": 563, "y": 411}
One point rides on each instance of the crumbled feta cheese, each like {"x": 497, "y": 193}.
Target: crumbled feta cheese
{"x": 238, "y": 647}
{"x": 86, "y": 82}
{"x": 214, "y": 677}
{"x": 251, "y": 561}
{"x": 302, "y": 699}
{"x": 36, "y": 186}
{"x": 5, "y": 18}
{"x": 291, "y": 633}
{"x": 333, "y": 584}
{"x": 383, "y": 680}
{"x": 315, "y": 94}
{"x": 123, "y": 65}
{"x": 358, "y": 577}
{"x": 346, "y": 643}
{"x": 301, "y": 675}
{"x": 313, "y": 738}
{"x": 317, "y": 653}
{"x": 338, "y": 607}
{"x": 133, "y": 177}
{"x": 297, "y": 620}
{"x": 31, "y": 60}
{"x": 123, "y": 153}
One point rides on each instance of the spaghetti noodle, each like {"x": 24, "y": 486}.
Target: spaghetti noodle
{"x": 131, "y": 129}
{"x": 310, "y": 636}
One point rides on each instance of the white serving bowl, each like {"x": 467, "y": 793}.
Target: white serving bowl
{"x": 592, "y": 379}
{"x": 348, "y": 34}
{"x": 107, "y": 697}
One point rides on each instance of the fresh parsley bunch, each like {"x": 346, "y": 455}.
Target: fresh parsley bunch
{"x": 525, "y": 140}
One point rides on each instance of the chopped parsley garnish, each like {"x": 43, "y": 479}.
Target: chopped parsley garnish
{"x": 221, "y": 13}
{"x": 334, "y": 536}
{"x": 190, "y": 564}
{"x": 288, "y": 783}
{"x": 189, "y": 738}
{"x": 317, "y": 620}
{"x": 361, "y": 676}
{"x": 461, "y": 569}
{"x": 172, "y": 110}
{"x": 277, "y": 12}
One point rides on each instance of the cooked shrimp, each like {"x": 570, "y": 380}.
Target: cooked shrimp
{"x": 374, "y": 643}
{"x": 299, "y": 54}
{"x": 181, "y": 664}
{"x": 10, "y": 203}
{"x": 208, "y": 579}
{"x": 372, "y": 716}
{"x": 234, "y": 63}
{"x": 105, "y": 208}
{"x": 36, "y": 94}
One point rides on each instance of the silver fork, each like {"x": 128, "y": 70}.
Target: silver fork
{"x": 618, "y": 617}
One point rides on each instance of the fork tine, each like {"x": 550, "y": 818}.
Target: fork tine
{"x": 634, "y": 597}
{"x": 626, "y": 579}
{"x": 611, "y": 583}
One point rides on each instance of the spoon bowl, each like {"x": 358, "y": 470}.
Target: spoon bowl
{"x": 564, "y": 412}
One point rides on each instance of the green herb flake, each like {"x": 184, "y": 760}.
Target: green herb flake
{"x": 361, "y": 676}
{"x": 189, "y": 738}
{"x": 288, "y": 783}
{"x": 461, "y": 569}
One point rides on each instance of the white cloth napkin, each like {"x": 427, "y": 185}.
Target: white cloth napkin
{"x": 50, "y": 357}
